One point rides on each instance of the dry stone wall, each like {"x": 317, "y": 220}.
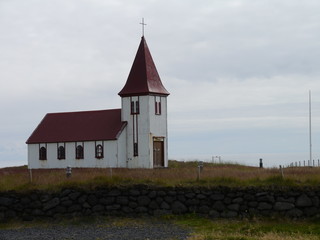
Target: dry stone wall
{"x": 216, "y": 202}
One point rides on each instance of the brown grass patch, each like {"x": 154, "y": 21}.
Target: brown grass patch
{"x": 178, "y": 173}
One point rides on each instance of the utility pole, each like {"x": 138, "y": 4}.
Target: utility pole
{"x": 310, "y": 138}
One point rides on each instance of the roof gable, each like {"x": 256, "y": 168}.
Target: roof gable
{"x": 78, "y": 126}
{"x": 143, "y": 78}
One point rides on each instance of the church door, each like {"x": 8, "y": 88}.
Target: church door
{"x": 158, "y": 152}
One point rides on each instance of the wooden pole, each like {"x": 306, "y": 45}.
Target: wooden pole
{"x": 281, "y": 171}
{"x": 30, "y": 175}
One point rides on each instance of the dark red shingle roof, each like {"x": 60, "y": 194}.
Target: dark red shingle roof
{"x": 143, "y": 78}
{"x": 78, "y": 126}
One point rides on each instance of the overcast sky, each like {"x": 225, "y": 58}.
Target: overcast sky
{"x": 239, "y": 71}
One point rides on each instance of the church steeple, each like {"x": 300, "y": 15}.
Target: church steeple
{"x": 144, "y": 109}
{"x": 143, "y": 78}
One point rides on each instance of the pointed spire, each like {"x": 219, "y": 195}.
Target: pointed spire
{"x": 143, "y": 78}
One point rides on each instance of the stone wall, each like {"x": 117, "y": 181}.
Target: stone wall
{"x": 216, "y": 202}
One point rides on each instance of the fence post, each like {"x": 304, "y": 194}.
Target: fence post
{"x": 30, "y": 175}
{"x": 200, "y": 167}
{"x": 68, "y": 171}
{"x": 281, "y": 170}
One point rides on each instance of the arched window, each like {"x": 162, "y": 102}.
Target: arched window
{"x": 99, "y": 151}
{"x": 61, "y": 153}
{"x": 79, "y": 152}
{"x": 43, "y": 153}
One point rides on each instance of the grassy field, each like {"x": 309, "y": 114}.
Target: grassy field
{"x": 178, "y": 174}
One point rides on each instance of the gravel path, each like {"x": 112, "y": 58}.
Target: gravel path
{"x": 102, "y": 230}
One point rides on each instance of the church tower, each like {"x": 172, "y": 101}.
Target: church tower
{"x": 144, "y": 108}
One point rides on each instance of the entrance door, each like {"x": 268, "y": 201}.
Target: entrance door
{"x": 158, "y": 152}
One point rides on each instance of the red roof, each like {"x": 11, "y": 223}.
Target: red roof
{"x": 143, "y": 78}
{"x": 78, "y": 126}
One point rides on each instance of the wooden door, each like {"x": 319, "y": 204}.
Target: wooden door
{"x": 158, "y": 152}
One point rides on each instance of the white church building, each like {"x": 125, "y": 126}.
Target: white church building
{"x": 134, "y": 136}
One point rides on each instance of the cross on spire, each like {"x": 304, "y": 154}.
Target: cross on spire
{"x": 143, "y": 24}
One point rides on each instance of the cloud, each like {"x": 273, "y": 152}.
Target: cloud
{"x": 235, "y": 93}
{"x": 235, "y": 65}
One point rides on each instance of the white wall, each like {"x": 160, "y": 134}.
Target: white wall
{"x": 149, "y": 125}
{"x": 159, "y": 125}
{"x": 122, "y": 150}
{"x": 114, "y": 155}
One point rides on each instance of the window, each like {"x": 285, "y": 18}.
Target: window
{"x": 158, "y": 108}
{"x": 79, "y": 152}
{"x": 61, "y": 153}
{"x": 157, "y": 105}
{"x": 135, "y": 149}
{"x": 132, "y": 107}
{"x": 135, "y": 108}
{"x": 43, "y": 153}
{"x": 99, "y": 151}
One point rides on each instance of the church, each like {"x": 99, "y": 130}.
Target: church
{"x": 134, "y": 136}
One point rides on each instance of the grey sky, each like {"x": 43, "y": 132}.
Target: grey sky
{"x": 238, "y": 71}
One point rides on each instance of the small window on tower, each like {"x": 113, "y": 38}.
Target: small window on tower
{"x": 135, "y": 149}
{"x": 132, "y": 107}
{"x": 157, "y": 107}
{"x": 135, "y": 107}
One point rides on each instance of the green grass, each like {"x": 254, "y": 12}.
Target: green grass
{"x": 273, "y": 229}
{"x": 202, "y": 228}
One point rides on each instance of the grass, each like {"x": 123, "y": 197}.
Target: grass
{"x": 202, "y": 228}
{"x": 77, "y": 221}
{"x": 266, "y": 229}
{"x": 178, "y": 174}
